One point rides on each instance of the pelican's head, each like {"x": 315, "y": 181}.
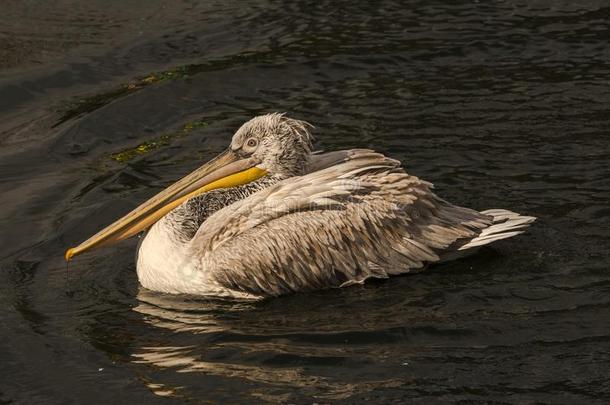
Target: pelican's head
{"x": 279, "y": 144}
{"x": 270, "y": 144}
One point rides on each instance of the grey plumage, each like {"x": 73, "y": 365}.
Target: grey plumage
{"x": 329, "y": 220}
{"x": 334, "y": 227}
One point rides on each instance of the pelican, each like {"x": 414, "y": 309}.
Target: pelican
{"x": 270, "y": 217}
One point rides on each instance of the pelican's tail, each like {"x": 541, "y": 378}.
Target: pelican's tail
{"x": 506, "y": 224}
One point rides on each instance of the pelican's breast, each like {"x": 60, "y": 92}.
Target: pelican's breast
{"x": 162, "y": 262}
{"x": 166, "y": 259}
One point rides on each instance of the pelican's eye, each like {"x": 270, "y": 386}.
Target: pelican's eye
{"x": 251, "y": 144}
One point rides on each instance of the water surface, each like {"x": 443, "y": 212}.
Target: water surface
{"x": 501, "y": 104}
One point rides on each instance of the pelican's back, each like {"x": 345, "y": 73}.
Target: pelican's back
{"x": 363, "y": 217}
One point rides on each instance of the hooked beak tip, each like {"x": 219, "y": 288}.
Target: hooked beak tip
{"x": 69, "y": 254}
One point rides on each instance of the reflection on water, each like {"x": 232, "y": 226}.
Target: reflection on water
{"x": 498, "y": 103}
{"x": 244, "y": 327}
{"x": 195, "y": 315}
{"x": 188, "y": 360}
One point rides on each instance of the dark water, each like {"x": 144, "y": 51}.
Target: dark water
{"x": 502, "y": 104}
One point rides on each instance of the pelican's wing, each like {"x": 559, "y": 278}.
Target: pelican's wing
{"x": 324, "y": 160}
{"x": 362, "y": 218}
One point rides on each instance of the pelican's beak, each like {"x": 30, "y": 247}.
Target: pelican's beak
{"x": 226, "y": 170}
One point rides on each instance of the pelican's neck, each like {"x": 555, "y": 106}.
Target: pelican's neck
{"x": 182, "y": 223}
